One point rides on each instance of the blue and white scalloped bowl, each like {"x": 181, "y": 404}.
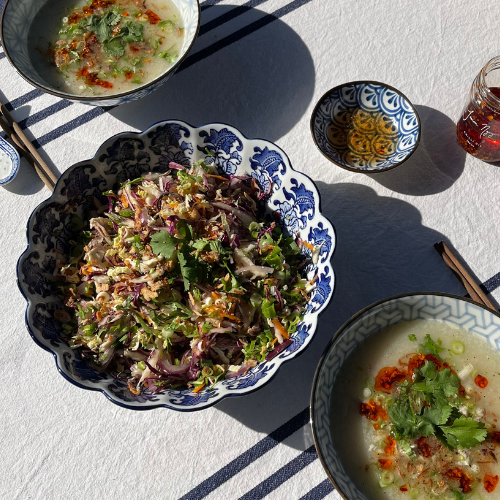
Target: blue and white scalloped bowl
{"x": 478, "y": 320}
{"x": 397, "y": 130}
{"x": 52, "y": 226}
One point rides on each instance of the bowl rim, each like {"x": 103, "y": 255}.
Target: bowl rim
{"x": 166, "y": 405}
{"x": 337, "y": 335}
{"x": 102, "y": 98}
{"x": 16, "y": 163}
{"x": 360, "y": 82}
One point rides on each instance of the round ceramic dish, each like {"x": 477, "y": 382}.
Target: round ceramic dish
{"x": 397, "y": 127}
{"x": 17, "y": 17}
{"x": 51, "y": 227}
{"x": 11, "y": 155}
{"x": 452, "y": 309}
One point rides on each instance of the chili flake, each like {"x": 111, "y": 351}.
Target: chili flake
{"x": 464, "y": 479}
{"x": 481, "y": 381}
{"x": 490, "y": 482}
{"x": 373, "y": 411}
{"x": 387, "y": 377}
{"x": 385, "y": 463}
{"x": 424, "y": 448}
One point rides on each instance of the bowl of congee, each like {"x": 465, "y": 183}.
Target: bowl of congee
{"x": 98, "y": 52}
{"x": 405, "y": 401}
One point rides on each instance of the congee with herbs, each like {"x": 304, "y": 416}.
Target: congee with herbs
{"x": 103, "y": 47}
{"x": 419, "y": 402}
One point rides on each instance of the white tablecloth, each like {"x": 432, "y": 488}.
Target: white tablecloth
{"x": 261, "y": 66}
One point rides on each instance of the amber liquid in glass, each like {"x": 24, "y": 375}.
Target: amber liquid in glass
{"x": 478, "y": 130}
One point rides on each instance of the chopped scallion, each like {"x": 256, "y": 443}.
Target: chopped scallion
{"x": 457, "y": 347}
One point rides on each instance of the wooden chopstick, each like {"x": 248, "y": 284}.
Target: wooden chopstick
{"x": 25, "y": 153}
{"x": 26, "y": 148}
{"x": 470, "y": 284}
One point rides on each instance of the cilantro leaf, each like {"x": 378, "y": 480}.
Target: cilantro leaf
{"x": 423, "y": 428}
{"x": 167, "y": 22}
{"x": 189, "y": 270}
{"x": 200, "y": 244}
{"x": 184, "y": 229}
{"x": 431, "y": 347}
{"x": 402, "y": 417}
{"x": 441, "y": 384}
{"x": 437, "y": 415}
{"x": 448, "y": 382}
{"x": 171, "y": 57}
{"x": 102, "y": 31}
{"x": 113, "y": 17}
{"x": 216, "y": 246}
{"x": 132, "y": 32}
{"x": 114, "y": 48}
{"x": 164, "y": 243}
{"x": 412, "y": 337}
{"x": 464, "y": 433}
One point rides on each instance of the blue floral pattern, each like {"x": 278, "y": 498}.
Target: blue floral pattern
{"x": 249, "y": 379}
{"x": 319, "y": 236}
{"x": 397, "y": 126}
{"x": 168, "y": 143}
{"x": 267, "y": 165}
{"x": 298, "y": 208}
{"x": 223, "y": 147}
{"x": 293, "y": 200}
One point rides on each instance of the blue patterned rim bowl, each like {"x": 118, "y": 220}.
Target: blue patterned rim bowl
{"x": 452, "y": 309}
{"x": 17, "y": 17}
{"x": 52, "y": 226}
{"x": 7, "y": 150}
{"x": 365, "y": 127}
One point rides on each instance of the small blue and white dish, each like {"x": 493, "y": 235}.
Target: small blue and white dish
{"x": 365, "y": 126}
{"x": 336, "y": 447}
{"x": 9, "y": 162}
{"x": 17, "y": 17}
{"x": 52, "y": 227}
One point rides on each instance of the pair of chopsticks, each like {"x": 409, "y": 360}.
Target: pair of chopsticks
{"x": 463, "y": 275}
{"x": 25, "y": 148}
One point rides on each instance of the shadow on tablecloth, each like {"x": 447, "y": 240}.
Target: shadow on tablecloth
{"x": 437, "y": 163}
{"x": 261, "y": 84}
{"x": 382, "y": 249}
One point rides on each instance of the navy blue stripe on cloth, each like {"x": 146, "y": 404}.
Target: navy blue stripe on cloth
{"x": 71, "y": 125}
{"x": 242, "y": 33}
{"x": 209, "y": 3}
{"x": 280, "y": 476}
{"x": 491, "y": 284}
{"x": 320, "y": 491}
{"x": 44, "y": 113}
{"x": 189, "y": 61}
{"x": 245, "y": 459}
{"x": 2, "y": 55}
{"x": 229, "y": 16}
{"x": 20, "y": 101}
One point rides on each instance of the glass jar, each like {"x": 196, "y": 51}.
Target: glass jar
{"x": 478, "y": 129}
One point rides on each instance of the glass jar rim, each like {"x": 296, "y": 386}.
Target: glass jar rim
{"x": 492, "y": 65}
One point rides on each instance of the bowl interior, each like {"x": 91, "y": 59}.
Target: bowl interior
{"x": 18, "y": 16}
{"x": 365, "y": 126}
{"x": 78, "y": 194}
{"x": 334, "y": 408}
